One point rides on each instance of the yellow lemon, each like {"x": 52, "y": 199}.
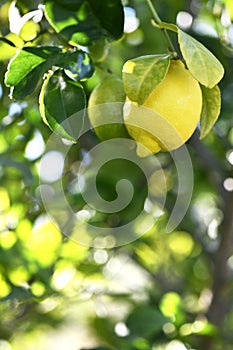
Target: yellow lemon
{"x": 169, "y": 115}
{"x": 105, "y": 109}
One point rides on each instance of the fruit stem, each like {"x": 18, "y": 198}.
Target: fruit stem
{"x": 157, "y": 19}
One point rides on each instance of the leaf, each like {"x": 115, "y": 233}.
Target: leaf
{"x": 9, "y": 46}
{"x": 27, "y": 67}
{"x": 169, "y": 26}
{"x": 141, "y": 75}
{"x": 203, "y": 65}
{"x": 43, "y": 51}
{"x": 70, "y": 4}
{"x": 30, "y": 64}
{"x": 77, "y": 62}
{"x": 6, "y": 41}
{"x": 77, "y": 27}
{"x": 77, "y": 65}
{"x": 91, "y": 21}
{"x": 110, "y": 15}
{"x": 60, "y": 100}
{"x": 145, "y": 321}
{"x": 210, "y": 110}
{"x": 27, "y": 85}
{"x": 21, "y": 65}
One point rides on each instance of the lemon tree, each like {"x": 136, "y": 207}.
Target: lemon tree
{"x": 75, "y": 58}
{"x": 153, "y": 81}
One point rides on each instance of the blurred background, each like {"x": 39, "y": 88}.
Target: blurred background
{"x": 164, "y": 291}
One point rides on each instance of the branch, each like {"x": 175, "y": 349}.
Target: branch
{"x": 221, "y": 273}
{"x": 157, "y": 20}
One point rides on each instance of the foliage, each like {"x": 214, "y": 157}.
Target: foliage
{"x": 163, "y": 290}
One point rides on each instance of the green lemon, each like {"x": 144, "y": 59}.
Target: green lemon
{"x": 105, "y": 109}
{"x": 169, "y": 115}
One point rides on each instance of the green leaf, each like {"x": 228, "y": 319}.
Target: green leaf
{"x": 110, "y": 15}
{"x": 77, "y": 62}
{"x": 9, "y": 46}
{"x": 20, "y": 66}
{"x": 141, "y": 75}
{"x": 145, "y": 321}
{"x": 27, "y": 85}
{"x": 60, "y": 99}
{"x": 8, "y": 42}
{"x": 203, "y": 65}
{"x": 45, "y": 52}
{"x": 77, "y": 65}
{"x": 27, "y": 67}
{"x": 77, "y": 27}
{"x": 70, "y": 4}
{"x": 210, "y": 110}
{"x": 91, "y": 21}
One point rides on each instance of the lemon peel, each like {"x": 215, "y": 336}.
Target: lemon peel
{"x": 169, "y": 115}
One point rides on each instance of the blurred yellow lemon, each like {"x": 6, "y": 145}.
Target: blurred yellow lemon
{"x": 169, "y": 115}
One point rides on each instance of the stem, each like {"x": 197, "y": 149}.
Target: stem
{"x": 153, "y": 11}
{"x": 157, "y": 19}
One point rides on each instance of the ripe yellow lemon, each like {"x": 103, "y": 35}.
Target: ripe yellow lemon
{"x": 105, "y": 109}
{"x": 169, "y": 115}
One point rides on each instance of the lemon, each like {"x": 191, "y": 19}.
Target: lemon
{"x": 169, "y": 115}
{"x": 105, "y": 109}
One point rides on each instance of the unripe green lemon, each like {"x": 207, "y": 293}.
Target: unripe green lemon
{"x": 169, "y": 115}
{"x": 102, "y": 110}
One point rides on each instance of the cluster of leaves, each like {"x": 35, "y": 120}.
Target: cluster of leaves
{"x": 67, "y": 66}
